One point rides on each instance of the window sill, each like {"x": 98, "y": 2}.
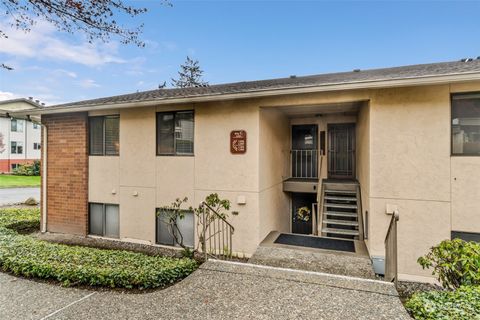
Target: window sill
{"x": 175, "y": 155}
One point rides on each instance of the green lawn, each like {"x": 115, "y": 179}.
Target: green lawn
{"x": 8, "y": 181}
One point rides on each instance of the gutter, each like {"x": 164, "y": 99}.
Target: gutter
{"x": 403, "y": 82}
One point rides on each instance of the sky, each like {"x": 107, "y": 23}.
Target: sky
{"x": 237, "y": 41}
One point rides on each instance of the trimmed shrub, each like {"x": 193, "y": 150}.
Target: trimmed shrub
{"x": 75, "y": 265}
{"x": 28, "y": 169}
{"x": 454, "y": 262}
{"x": 461, "y": 304}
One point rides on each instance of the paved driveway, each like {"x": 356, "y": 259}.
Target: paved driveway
{"x": 17, "y": 195}
{"x": 218, "y": 290}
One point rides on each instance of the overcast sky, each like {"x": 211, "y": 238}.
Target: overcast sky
{"x": 236, "y": 41}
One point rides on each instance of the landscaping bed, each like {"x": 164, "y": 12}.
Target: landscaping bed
{"x": 76, "y": 265}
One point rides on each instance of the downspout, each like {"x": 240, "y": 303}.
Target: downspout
{"x": 44, "y": 179}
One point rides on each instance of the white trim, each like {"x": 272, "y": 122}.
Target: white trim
{"x": 44, "y": 180}
{"x": 411, "y": 81}
{"x": 338, "y": 276}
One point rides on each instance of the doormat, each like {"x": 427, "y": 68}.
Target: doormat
{"x": 316, "y": 242}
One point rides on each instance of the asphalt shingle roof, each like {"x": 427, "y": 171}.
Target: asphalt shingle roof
{"x": 385, "y": 74}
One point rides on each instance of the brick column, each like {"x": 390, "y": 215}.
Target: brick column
{"x": 67, "y": 172}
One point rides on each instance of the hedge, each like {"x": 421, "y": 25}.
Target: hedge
{"x": 461, "y": 304}
{"x": 74, "y": 265}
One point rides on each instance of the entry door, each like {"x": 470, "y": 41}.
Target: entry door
{"x": 302, "y": 214}
{"x": 341, "y": 151}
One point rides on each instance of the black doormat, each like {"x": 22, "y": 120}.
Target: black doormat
{"x": 316, "y": 242}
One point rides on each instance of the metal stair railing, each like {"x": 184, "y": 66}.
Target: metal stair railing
{"x": 303, "y": 163}
{"x": 391, "y": 251}
{"x": 361, "y": 226}
{"x": 216, "y": 241}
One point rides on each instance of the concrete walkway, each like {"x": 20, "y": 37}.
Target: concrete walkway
{"x": 218, "y": 290}
{"x": 18, "y": 195}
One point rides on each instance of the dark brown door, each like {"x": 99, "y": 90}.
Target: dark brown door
{"x": 341, "y": 151}
{"x": 302, "y": 214}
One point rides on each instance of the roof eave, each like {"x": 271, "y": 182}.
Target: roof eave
{"x": 403, "y": 82}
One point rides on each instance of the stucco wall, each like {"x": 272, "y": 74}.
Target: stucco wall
{"x": 363, "y": 160}
{"x": 274, "y": 154}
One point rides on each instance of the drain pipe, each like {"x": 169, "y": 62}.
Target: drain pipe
{"x": 44, "y": 179}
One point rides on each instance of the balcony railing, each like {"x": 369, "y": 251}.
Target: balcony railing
{"x": 304, "y": 163}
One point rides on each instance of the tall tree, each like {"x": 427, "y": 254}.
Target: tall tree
{"x": 190, "y": 75}
{"x": 94, "y": 18}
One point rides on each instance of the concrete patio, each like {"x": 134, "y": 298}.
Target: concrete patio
{"x": 218, "y": 290}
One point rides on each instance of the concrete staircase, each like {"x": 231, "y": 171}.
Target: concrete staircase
{"x": 341, "y": 210}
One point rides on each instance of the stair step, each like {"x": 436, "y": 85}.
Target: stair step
{"x": 341, "y": 191}
{"x": 339, "y": 205}
{"x": 340, "y": 198}
{"x": 341, "y": 214}
{"x": 340, "y": 222}
{"x": 341, "y": 231}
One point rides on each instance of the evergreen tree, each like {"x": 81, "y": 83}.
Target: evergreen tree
{"x": 190, "y": 75}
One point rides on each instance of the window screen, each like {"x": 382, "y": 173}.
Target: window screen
{"x": 96, "y": 135}
{"x": 466, "y": 124}
{"x": 96, "y": 219}
{"x": 104, "y": 135}
{"x": 175, "y": 133}
{"x": 112, "y": 126}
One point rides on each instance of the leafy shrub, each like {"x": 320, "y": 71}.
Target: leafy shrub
{"x": 455, "y": 263}
{"x": 75, "y": 265}
{"x": 461, "y": 304}
{"x": 28, "y": 169}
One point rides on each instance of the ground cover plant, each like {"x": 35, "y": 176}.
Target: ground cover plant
{"x": 456, "y": 265}
{"x": 74, "y": 265}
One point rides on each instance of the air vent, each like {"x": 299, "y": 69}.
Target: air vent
{"x": 293, "y": 76}
{"x": 356, "y": 70}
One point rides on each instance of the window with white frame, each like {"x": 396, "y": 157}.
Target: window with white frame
{"x": 16, "y": 147}
{"x": 103, "y": 220}
{"x": 16, "y": 125}
{"x": 36, "y": 146}
{"x": 35, "y": 126}
{"x": 175, "y": 133}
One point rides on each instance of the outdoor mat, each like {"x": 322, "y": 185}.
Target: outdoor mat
{"x": 315, "y": 242}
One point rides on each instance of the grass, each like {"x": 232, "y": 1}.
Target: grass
{"x": 11, "y": 181}
{"x": 27, "y": 256}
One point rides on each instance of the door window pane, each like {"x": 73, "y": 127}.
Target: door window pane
{"x": 96, "y": 219}
{"x": 466, "y": 124}
{"x": 112, "y": 145}
{"x": 96, "y": 135}
{"x": 111, "y": 221}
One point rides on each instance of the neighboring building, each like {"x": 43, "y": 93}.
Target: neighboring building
{"x": 408, "y": 138}
{"x": 19, "y": 138}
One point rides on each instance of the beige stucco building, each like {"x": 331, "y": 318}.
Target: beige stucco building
{"x": 349, "y": 149}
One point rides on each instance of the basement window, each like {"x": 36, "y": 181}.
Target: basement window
{"x": 104, "y": 135}
{"x": 466, "y": 124}
{"x": 103, "y": 220}
{"x": 175, "y": 133}
{"x": 164, "y": 233}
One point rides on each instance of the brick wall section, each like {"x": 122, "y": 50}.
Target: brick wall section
{"x": 67, "y": 172}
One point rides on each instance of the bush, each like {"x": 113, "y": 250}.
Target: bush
{"x": 75, "y": 265}
{"x": 28, "y": 169}
{"x": 455, "y": 263}
{"x": 463, "y": 303}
